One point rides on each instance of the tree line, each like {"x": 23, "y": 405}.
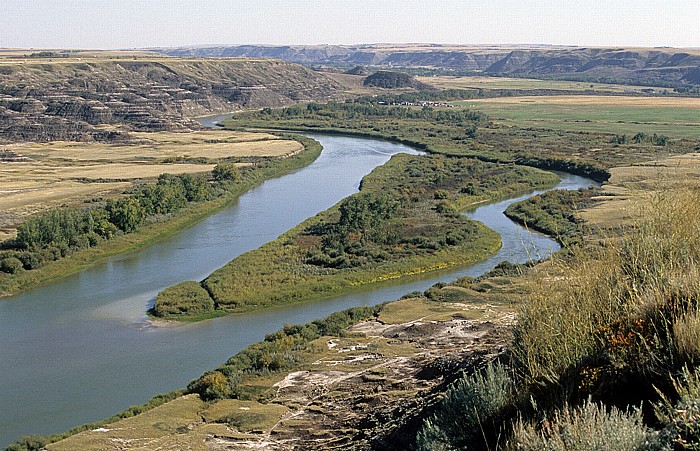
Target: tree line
{"x": 57, "y": 233}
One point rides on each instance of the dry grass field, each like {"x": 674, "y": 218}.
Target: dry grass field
{"x": 631, "y": 190}
{"x": 476, "y": 82}
{"x": 41, "y": 176}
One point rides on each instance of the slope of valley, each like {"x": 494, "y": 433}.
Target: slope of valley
{"x": 658, "y": 66}
{"x": 91, "y": 98}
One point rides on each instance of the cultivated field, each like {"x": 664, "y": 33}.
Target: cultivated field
{"x": 476, "y": 82}
{"x": 41, "y": 176}
{"x": 675, "y": 117}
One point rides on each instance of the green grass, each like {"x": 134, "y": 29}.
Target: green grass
{"x": 675, "y": 122}
{"x": 528, "y": 84}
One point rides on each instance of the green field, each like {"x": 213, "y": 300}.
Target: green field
{"x": 673, "y": 117}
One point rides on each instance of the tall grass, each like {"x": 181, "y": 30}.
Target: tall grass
{"x": 629, "y": 305}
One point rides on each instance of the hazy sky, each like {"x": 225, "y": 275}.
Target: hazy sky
{"x": 148, "y": 23}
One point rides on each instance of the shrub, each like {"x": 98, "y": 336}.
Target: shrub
{"x": 681, "y": 420}
{"x": 472, "y": 413}
{"x": 30, "y": 260}
{"x": 10, "y": 265}
{"x": 590, "y": 427}
{"x": 184, "y": 298}
{"x": 28, "y": 443}
{"x": 226, "y": 171}
{"x": 212, "y": 385}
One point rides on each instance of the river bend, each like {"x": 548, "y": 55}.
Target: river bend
{"x": 81, "y": 349}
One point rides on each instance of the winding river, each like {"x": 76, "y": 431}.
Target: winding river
{"x": 81, "y": 349}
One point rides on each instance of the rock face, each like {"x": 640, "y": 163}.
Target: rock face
{"x": 664, "y": 67}
{"x": 67, "y": 100}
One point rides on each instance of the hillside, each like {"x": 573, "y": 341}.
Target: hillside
{"x": 70, "y": 99}
{"x": 659, "y": 66}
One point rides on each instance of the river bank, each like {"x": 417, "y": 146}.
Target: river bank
{"x": 11, "y": 284}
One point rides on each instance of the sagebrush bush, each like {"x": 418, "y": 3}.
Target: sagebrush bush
{"x": 587, "y": 428}
{"x": 472, "y": 412}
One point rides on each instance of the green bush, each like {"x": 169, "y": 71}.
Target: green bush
{"x": 212, "y": 385}
{"x": 10, "y": 265}
{"x": 472, "y": 414}
{"x": 28, "y": 443}
{"x": 226, "y": 171}
{"x": 186, "y": 298}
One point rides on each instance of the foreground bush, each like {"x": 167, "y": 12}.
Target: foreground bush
{"x": 587, "y": 428}
{"x": 472, "y": 414}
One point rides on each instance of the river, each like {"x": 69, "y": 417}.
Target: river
{"x": 81, "y": 349}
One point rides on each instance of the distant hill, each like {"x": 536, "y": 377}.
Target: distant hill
{"x": 357, "y": 70}
{"x": 660, "y": 67}
{"x": 391, "y": 80}
{"x": 69, "y": 98}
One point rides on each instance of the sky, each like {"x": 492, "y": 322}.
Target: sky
{"x": 122, "y": 24}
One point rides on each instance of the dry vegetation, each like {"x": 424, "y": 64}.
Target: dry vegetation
{"x": 376, "y": 367}
{"x": 40, "y": 176}
{"x": 477, "y": 82}
{"x": 631, "y": 189}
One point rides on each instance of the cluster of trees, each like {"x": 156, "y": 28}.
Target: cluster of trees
{"x": 363, "y": 109}
{"x": 56, "y": 233}
{"x": 640, "y": 138}
{"x": 412, "y": 208}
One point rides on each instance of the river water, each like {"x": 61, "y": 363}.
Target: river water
{"x": 81, "y": 349}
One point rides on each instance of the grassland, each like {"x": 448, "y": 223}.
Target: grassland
{"x": 40, "y": 176}
{"x": 676, "y": 117}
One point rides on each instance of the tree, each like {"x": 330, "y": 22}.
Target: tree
{"x": 126, "y": 214}
{"x": 226, "y": 171}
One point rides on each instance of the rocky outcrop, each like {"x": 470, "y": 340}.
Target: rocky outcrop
{"x": 67, "y": 100}
{"x": 663, "y": 66}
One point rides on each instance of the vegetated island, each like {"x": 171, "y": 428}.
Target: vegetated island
{"x": 404, "y": 221}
